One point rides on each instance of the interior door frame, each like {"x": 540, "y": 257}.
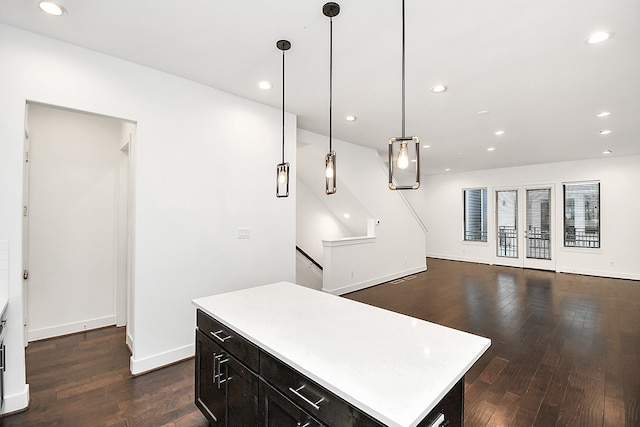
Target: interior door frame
{"x": 123, "y": 288}
{"x": 25, "y": 226}
{"x": 521, "y": 260}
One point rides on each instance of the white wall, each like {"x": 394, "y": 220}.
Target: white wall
{"x": 398, "y": 248}
{"x": 188, "y": 201}
{"x": 439, "y": 204}
{"x": 315, "y": 223}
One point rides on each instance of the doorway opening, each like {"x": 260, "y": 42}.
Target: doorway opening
{"x": 524, "y": 232}
{"x": 77, "y": 233}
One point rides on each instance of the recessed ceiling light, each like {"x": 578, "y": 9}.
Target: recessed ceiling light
{"x": 606, "y": 152}
{"x": 351, "y": 118}
{"x": 605, "y": 132}
{"x": 52, "y": 8}
{"x": 483, "y": 112}
{"x": 265, "y": 85}
{"x": 599, "y": 37}
{"x": 447, "y": 169}
{"x": 438, "y": 88}
{"x": 347, "y": 216}
{"x": 603, "y": 114}
{"x": 426, "y": 146}
{"x": 499, "y": 132}
{"x": 491, "y": 149}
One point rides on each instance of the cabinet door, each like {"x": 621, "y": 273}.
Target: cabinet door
{"x": 209, "y": 398}
{"x": 226, "y": 390}
{"x": 242, "y": 392}
{"x": 278, "y": 411}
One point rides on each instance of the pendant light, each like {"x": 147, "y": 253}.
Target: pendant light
{"x": 282, "y": 174}
{"x": 403, "y": 148}
{"x": 330, "y": 10}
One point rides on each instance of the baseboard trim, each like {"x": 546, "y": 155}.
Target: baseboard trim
{"x": 129, "y": 342}
{"x": 156, "y": 361}
{"x": 580, "y": 271}
{"x": 70, "y": 328}
{"x": 458, "y": 258}
{"x": 16, "y": 402}
{"x": 375, "y": 281}
{"x": 598, "y": 273}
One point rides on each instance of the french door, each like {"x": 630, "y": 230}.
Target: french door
{"x": 524, "y": 232}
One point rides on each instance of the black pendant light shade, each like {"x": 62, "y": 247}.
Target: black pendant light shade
{"x": 330, "y": 10}
{"x": 404, "y": 150}
{"x": 282, "y": 173}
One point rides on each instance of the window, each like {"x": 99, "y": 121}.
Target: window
{"x": 475, "y": 215}
{"x": 582, "y": 215}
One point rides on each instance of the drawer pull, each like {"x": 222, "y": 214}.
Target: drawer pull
{"x": 218, "y": 380}
{"x": 217, "y": 335}
{"x": 297, "y": 393}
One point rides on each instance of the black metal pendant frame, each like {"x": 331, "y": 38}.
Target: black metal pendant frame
{"x": 330, "y": 10}
{"x": 393, "y": 184}
{"x": 282, "y": 169}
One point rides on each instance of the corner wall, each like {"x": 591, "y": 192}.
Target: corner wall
{"x": 188, "y": 205}
{"x": 398, "y": 248}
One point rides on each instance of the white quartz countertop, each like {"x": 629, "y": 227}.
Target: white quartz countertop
{"x": 394, "y": 367}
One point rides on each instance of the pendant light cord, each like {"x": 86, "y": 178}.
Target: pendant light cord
{"x": 403, "y": 97}
{"x": 283, "y": 106}
{"x": 330, "y": 81}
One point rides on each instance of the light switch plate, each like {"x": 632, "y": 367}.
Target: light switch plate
{"x": 244, "y": 233}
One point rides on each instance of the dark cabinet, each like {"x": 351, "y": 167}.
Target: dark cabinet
{"x": 277, "y": 411}
{"x": 307, "y": 394}
{"x": 241, "y": 385}
{"x": 226, "y": 391}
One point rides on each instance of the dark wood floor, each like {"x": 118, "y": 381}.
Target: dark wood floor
{"x": 83, "y": 380}
{"x": 565, "y": 352}
{"x": 565, "y": 348}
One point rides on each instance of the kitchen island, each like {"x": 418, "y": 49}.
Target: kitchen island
{"x": 282, "y": 352}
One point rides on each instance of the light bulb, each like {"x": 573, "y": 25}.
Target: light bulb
{"x": 328, "y": 172}
{"x": 282, "y": 177}
{"x": 403, "y": 156}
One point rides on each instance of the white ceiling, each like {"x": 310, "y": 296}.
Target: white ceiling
{"x": 524, "y": 61}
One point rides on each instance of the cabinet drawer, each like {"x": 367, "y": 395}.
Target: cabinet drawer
{"x": 313, "y": 398}
{"x": 231, "y": 341}
{"x": 277, "y": 411}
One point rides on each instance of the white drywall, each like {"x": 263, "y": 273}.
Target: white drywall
{"x": 439, "y": 204}
{"x": 398, "y": 248}
{"x": 315, "y": 223}
{"x": 189, "y": 201}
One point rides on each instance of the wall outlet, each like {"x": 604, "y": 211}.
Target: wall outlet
{"x": 244, "y": 233}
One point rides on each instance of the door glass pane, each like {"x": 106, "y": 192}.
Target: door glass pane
{"x": 507, "y": 211}
{"x": 539, "y": 223}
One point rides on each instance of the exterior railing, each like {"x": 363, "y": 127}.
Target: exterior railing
{"x": 581, "y": 239}
{"x": 507, "y": 242}
{"x": 475, "y": 236}
{"x": 539, "y": 243}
